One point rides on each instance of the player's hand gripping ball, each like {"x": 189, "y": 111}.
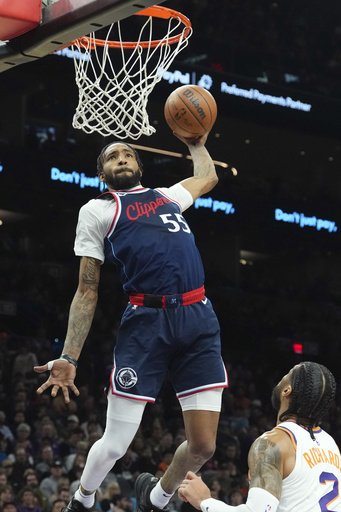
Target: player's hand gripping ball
{"x": 190, "y": 111}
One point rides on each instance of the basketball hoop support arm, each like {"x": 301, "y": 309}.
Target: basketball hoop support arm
{"x": 60, "y": 25}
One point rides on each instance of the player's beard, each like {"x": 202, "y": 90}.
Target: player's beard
{"x": 276, "y": 398}
{"x": 123, "y": 181}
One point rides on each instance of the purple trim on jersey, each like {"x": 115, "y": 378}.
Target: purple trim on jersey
{"x": 316, "y": 430}
{"x": 189, "y": 392}
{"x": 291, "y": 434}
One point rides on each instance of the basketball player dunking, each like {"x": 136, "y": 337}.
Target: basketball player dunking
{"x": 168, "y": 326}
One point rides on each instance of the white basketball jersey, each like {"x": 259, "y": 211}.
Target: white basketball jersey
{"x": 313, "y": 485}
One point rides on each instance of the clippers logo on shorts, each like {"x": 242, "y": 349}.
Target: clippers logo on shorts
{"x": 126, "y": 378}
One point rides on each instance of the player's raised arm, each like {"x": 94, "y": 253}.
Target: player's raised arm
{"x": 191, "y": 112}
{"x": 204, "y": 173}
{"x": 82, "y": 310}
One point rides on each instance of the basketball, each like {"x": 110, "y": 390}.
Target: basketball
{"x": 190, "y": 111}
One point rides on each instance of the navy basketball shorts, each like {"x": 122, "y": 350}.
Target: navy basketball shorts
{"x": 184, "y": 341}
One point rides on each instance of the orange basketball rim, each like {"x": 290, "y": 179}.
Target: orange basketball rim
{"x": 156, "y": 11}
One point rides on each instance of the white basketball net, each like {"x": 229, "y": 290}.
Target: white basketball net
{"x": 113, "y": 100}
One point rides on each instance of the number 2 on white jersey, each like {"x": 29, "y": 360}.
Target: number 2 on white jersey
{"x": 328, "y": 498}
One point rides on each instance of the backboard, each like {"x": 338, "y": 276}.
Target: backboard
{"x": 62, "y": 22}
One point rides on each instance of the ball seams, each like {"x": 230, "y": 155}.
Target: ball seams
{"x": 194, "y": 107}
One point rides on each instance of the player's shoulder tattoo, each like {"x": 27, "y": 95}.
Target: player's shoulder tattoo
{"x": 265, "y": 460}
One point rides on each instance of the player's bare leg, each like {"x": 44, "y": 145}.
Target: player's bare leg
{"x": 201, "y": 430}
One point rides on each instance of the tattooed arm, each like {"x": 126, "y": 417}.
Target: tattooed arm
{"x": 83, "y": 307}
{"x": 81, "y": 315}
{"x": 265, "y": 465}
{"x": 204, "y": 174}
{"x": 271, "y": 458}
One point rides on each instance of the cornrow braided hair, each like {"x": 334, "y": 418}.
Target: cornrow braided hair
{"x": 313, "y": 390}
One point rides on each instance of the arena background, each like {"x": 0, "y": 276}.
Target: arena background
{"x": 269, "y": 233}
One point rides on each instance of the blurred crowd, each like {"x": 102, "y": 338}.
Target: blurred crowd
{"x": 44, "y": 442}
{"x": 273, "y": 314}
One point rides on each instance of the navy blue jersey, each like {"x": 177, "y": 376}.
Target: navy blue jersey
{"x": 152, "y": 245}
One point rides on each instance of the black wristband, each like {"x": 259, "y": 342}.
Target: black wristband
{"x": 69, "y": 359}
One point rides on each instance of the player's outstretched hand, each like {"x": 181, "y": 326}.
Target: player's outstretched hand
{"x": 194, "y": 490}
{"x": 193, "y": 141}
{"x": 62, "y": 376}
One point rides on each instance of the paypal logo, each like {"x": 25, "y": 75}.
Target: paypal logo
{"x": 175, "y": 77}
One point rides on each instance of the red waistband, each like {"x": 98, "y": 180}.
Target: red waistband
{"x": 167, "y": 301}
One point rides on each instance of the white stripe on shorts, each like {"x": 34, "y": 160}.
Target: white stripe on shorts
{"x": 208, "y": 400}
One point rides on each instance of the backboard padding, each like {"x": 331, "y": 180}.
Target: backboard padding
{"x": 60, "y": 25}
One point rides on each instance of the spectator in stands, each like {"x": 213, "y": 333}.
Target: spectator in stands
{"x": 5, "y": 429}
{"x": 63, "y": 491}
{"x": 82, "y": 449}
{"x": 75, "y": 476}
{"x": 230, "y": 452}
{"x": 31, "y": 480}
{"x": 236, "y": 498}
{"x": 18, "y": 416}
{"x": 92, "y": 424}
{"x": 21, "y": 462}
{"x": 4, "y": 448}
{"x": 166, "y": 442}
{"x": 72, "y": 422}
{"x": 9, "y": 507}
{"x": 3, "y": 478}
{"x": 27, "y": 501}
{"x": 166, "y": 459}
{"x": 7, "y": 466}
{"x": 69, "y": 446}
{"x": 6, "y": 494}
{"x": 49, "y": 434}
{"x": 24, "y": 361}
{"x": 121, "y": 503}
{"x": 23, "y": 433}
{"x": 58, "y": 504}
{"x": 146, "y": 462}
{"x": 49, "y": 485}
{"x": 217, "y": 490}
{"x": 43, "y": 467}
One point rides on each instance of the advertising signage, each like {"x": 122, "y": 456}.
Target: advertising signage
{"x": 241, "y": 96}
{"x": 61, "y": 185}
